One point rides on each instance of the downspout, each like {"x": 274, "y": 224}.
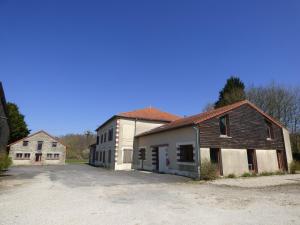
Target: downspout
{"x": 197, "y": 152}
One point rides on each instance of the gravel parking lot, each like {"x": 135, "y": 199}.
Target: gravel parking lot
{"x": 80, "y": 194}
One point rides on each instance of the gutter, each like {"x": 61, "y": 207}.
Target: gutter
{"x": 197, "y": 152}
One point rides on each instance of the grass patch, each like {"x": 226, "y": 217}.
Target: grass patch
{"x": 266, "y": 174}
{"x": 231, "y": 176}
{"x": 77, "y": 161}
{"x": 246, "y": 174}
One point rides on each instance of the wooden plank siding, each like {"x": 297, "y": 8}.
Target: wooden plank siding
{"x": 247, "y": 131}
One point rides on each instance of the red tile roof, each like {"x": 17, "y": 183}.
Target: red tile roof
{"x": 150, "y": 113}
{"x": 196, "y": 119}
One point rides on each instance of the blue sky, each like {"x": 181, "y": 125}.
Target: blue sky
{"x": 70, "y": 65}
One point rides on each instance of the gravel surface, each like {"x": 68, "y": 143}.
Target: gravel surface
{"x": 84, "y": 195}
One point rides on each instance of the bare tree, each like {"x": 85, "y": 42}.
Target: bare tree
{"x": 282, "y": 103}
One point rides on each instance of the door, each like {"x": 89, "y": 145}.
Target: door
{"x": 38, "y": 157}
{"x": 215, "y": 158}
{"x": 162, "y": 155}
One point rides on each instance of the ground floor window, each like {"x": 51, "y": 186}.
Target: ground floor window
{"x": 56, "y": 156}
{"x": 49, "y": 156}
{"x": 186, "y": 153}
{"x": 19, "y": 155}
{"x": 97, "y": 156}
{"x": 109, "y": 156}
{"x": 100, "y": 157}
{"x": 103, "y": 157}
{"x": 127, "y": 155}
{"x": 27, "y": 155}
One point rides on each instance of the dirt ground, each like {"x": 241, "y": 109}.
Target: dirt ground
{"x": 84, "y": 195}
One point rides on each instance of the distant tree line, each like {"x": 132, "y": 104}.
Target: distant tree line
{"x": 78, "y": 144}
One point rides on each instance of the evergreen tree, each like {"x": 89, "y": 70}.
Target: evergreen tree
{"x": 233, "y": 91}
{"x": 17, "y": 124}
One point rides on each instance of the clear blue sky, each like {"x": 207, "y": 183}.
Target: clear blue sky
{"x": 70, "y": 65}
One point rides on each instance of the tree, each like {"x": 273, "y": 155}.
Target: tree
{"x": 282, "y": 103}
{"x": 78, "y": 144}
{"x": 17, "y": 124}
{"x": 208, "y": 107}
{"x": 233, "y": 91}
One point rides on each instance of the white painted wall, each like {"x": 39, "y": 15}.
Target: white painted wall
{"x": 234, "y": 161}
{"x": 266, "y": 160}
{"x": 288, "y": 148}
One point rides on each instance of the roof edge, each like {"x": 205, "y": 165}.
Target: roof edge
{"x": 40, "y": 131}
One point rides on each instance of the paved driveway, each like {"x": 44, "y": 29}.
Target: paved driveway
{"x": 80, "y": 194}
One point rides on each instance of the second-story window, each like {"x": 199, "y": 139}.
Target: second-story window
{"x": 25, "y": 143}
{"x": 101, "y": 138}
{"x": 104, "y": 137}
{"x": 224, "y": 125}
{"x": 54, "y": 144}
{"x": 97, "y": 140}
{"x": 40, "y": 145}
{"x": 110, "y": 134}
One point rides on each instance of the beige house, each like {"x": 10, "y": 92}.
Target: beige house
{"x": 39, "y": 148}
{"x": 115, "y": 137}
{"x": 238, "y": 138}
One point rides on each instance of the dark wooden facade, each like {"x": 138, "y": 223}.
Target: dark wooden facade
{"x": 248, "y": 130}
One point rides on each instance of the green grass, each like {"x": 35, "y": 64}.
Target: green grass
{"x": 231, "y": 176}
{"x": 77, "y": 161}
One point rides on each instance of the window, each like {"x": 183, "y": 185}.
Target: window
{"x": 224, "y": 125}
{"x": 109, "y": 156}
{"x": 142, "y": 154}
{"x": 54, "y": 144}
{"x": 97, "y": 140}
{"x": 40, "y": 145}
{"x": 101, "y": 138}
{"x": 19, "y": 155}
{"x": 56, "y": 156}
{"x": 100, "y": 157}
{"x": 103, "y": 157}
{"x": 49, "y": 156}
{"x": 97, "y": 156}
{"x": 25, "y": 143}
{"x": 127, "y": 155}
{"x": 27, "y": 155}
{"x": 110, "y": 134}
{"x": 270, "y": 132}
{"x": 104, "y": 137}
{"x": 186, "y": 153}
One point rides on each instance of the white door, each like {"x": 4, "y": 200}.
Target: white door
{"x": 162, "y": 159}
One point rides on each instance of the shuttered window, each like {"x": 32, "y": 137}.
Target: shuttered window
{"x": 127, "y": 157}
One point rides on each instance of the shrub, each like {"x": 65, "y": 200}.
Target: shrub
{"x": 294, "y": 165}
{"x": 208, "y": 170}
{"x": 5, "y": 162}
{"x": 231, "y": 175}
{"x": 246, "y": 174}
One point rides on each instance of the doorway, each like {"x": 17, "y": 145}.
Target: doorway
{"x": 162, "y": 162}
{"x": 38, "y": 157}
{"x": 280, "y": 160}
{"x": 216, "y": 158}
{"x": 252, "y": 162}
